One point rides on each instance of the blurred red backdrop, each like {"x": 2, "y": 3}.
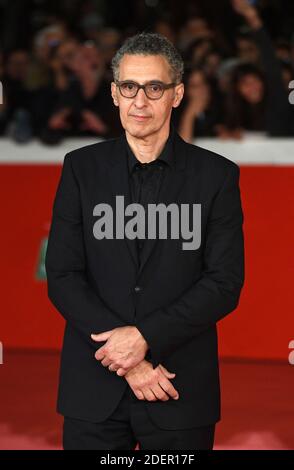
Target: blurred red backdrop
{"x": 261, "y": 327}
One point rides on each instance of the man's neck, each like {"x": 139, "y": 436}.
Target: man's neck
{"x": 149, "y": 148}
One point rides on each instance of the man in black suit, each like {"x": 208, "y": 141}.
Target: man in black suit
{"x": 140, "y": 355}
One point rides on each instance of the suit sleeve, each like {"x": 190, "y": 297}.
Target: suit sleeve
{"x": 217, "y": 292}
{"x": 67, "y": 284}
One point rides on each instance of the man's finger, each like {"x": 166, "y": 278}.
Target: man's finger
{"x": 149, "y": 395}
{"x": 102, "y": 336}
{"x": 160, "y": 393}
{"x": 169, "y": 388}
{"x": 139, "y": 395}
{"x": 121, "y": 372}
{"x": 99, "y": 354}
{"x": 106, "y": 362}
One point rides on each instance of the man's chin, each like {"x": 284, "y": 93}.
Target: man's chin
{"x": 143, "y": 130}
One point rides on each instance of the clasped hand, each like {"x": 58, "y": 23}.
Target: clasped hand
{"x": 124, "y": 353}
{"x": 125, "y": 347}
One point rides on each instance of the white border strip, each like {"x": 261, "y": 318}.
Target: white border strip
{"x": 251, "y": 151}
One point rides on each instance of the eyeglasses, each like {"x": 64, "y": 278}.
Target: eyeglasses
{"x": 153, "y": 90}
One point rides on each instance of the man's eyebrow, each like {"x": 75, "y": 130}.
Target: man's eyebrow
{"x": 155, "y": 80}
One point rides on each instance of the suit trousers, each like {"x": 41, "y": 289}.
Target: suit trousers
{"x": 130, "y": 425}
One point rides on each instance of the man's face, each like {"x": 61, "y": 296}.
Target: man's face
{"x": 141, "y": 116}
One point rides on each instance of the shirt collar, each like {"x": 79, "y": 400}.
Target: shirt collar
{"x": 166, "y": 154}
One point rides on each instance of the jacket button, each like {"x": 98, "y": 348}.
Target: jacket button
{"x": 138, "y": 289}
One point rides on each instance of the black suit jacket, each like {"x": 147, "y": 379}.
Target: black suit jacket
{"x": 175, "y": 297}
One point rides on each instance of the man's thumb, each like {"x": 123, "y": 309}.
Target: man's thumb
{"x": 166, "y": 372}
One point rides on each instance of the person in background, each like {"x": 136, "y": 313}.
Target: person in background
{"x": 194, "y": 29}
{"x": 164, "y": 27}
{"x": 82, "y": 105}
{"x": 48, "y": 98}
{"x": 257, "y": 100}
{"x": 283, "y": 50}
{"x": 108, "y": 42}
{"x": 201, "y": 108}
{"x": 45, "y": 42}
{"x": 211, "y": 63}
{"x": 246, "y": 48}
{"x": 17, "y": 122}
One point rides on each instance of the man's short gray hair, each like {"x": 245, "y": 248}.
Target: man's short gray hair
{"x": 150, "y": 44}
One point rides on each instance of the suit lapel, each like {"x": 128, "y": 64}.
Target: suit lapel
{"x": 172, "y": 184}
{"x": 119, "y": 178}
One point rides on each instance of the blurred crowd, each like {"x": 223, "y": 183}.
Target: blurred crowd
{"x": 236, "y": 78}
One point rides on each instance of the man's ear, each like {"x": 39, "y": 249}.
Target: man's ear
{"x": 179, "y": 93}
{"x": 113, "y": 93}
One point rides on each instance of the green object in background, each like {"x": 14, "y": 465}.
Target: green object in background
{"x": 41, "y": 271}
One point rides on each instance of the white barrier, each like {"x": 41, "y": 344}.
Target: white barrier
{"x": 250, "y": 151}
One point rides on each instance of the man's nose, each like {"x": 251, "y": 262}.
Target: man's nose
{"x": 140, "y": 99}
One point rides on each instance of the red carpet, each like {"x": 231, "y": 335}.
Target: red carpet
{"x": 257, "y": 404}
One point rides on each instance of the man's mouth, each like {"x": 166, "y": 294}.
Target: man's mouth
{"x": 140, "y": 117}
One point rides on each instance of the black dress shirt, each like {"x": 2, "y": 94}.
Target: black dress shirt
{"x": 146, "y": 179}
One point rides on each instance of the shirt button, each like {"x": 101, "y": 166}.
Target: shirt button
{"x": 138, "y": 289}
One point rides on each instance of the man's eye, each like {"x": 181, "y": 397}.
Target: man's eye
{"x": 155, "y": 87}
{"x": 128, "y": 86}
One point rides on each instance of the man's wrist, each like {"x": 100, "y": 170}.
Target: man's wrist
{"x": 144, "y": 342}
